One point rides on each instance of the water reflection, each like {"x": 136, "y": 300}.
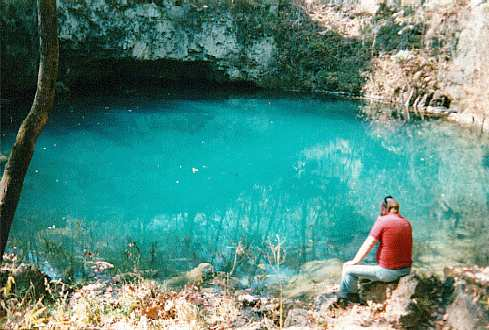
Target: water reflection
{"x": 262, "y": 168}
{"x": 450, "y": 189}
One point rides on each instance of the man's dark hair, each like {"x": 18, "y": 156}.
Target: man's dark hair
{"x": 391, "y": 204}
{"x": 385, "y": 200}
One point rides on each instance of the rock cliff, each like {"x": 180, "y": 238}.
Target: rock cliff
{"x": 467, "y": 75}
{"x": 442, "y": 69}
{"x": 419, "y": 56}
{"x": 271, "y": 44}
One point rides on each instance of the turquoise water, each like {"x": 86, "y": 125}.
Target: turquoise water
{"x": 165, "y": 182}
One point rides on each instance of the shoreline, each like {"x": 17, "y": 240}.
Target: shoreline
{"x": 204, "y": 299}
{"x": 473, "y": 121}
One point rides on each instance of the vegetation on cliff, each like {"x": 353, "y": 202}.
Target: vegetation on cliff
{"x": 425, "y": 58}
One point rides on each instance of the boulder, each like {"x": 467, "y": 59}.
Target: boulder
{"x": 398, "y": 305}
{"x": 469, "y": 307}
{"x": 376, "y": 292}
{"x": 200, "y": 274}
{"x": 413, "y": 301}
{"x": 297, "y": 317}
{"x": 28, "y": 279}
{"x": 466, "y": 313}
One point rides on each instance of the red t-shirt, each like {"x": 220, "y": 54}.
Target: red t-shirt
{"x": 396, "y": 243}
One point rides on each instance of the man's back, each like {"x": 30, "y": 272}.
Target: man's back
{"x": 395, "y": 236}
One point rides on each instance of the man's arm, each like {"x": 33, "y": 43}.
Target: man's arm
{"x": 363, "y": 250}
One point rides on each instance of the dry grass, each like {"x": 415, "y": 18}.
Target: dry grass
{"x": 138, "y": 304}
{"x": 128, "y": 301}
{"x": 102, "y": 305}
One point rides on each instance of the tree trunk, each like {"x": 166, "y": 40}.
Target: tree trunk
{"x": 23, "y": 149}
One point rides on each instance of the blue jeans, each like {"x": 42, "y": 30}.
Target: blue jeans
{"x": 351, "y": 274}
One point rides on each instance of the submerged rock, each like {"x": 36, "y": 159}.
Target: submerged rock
{"x": 200, "y": 274}
{"x": 314, "y": 278}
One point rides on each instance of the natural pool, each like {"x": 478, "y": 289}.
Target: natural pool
{"x": 165, "y": 182}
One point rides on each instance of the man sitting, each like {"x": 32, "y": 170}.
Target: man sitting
{"x": 394, "y": 254}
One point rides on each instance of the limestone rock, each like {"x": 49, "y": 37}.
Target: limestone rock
{"x": 271, "y": 44}
{"x": 437, "y": 111}
{"x": 324, "y": 301}
{"x": 398, "y": 304}
{"x": 314, "y": 277}
{"x": 203, "y": 272}
{"x": 94, "y": 31}
{"x": 369, "y": 6}
{"x": 465, "y": 313}
{"x": 467, "y": 74}
{"x": 469, "y": 309}
{"x": 297, "y": 317}
{"x": 376, "y": 292}
{"x": 258, "y": 325}
{"x": 414, "y": 300}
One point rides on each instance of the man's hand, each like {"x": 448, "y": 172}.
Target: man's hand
{"x": 351, "y": 262}
{"x": 362, "y": 252}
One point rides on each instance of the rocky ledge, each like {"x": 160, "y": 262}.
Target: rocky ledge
{"x": 205, "y": 299}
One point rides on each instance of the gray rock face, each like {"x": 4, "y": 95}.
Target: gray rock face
{"x": 147, "y": 31}
{"x": 467, "y": 75}
{"x": 398, "y": 307}
{"x": 297, "y": 317}
{"x": 472, "y": 49}
{"x": 272, "y": 44}
{"x": 143, "y": 31}
{"x": 465, "y": 314}
{"x": 376, "y": 292}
